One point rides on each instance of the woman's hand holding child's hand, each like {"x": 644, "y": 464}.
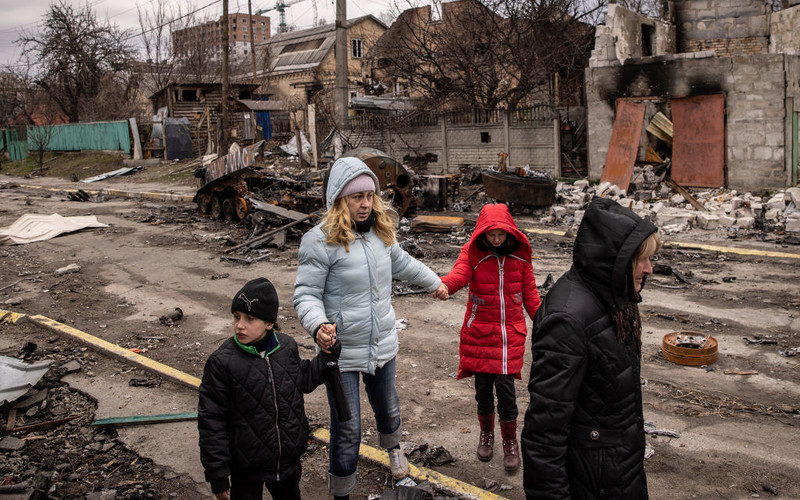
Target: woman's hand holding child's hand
{"x": 441, "y": 293}
{"x": 326, "y": 336}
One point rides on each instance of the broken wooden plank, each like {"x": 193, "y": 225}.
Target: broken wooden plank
{"x": 435, "y": 223}
{"x": 687, "y": 196}
{"x": 661, "y": 127}
{"x": 42, "y": 426}
{"x": 292, "y": 215}
{"x": 144, "y": 419}
{"x": 740, "y": 372}
{"x": 269, "y": 234}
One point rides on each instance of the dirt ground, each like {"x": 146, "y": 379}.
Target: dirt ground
{"x": 739, "y": 434}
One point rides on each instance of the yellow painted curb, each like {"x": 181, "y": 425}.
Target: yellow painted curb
{"x": 698, "y": 246}
{"x": 736, "y": 250}
{"x": 10, "y": 317}
{"x": 418, "y": 474}
{"x": 118, "y": 352}
{"x": 446, "y": 483}
{"x": 119, "y": 193}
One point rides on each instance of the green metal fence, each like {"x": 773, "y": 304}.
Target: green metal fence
{"x": 101, "y": 136}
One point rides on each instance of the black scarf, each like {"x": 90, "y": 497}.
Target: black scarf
{"x": 365, "y": 225}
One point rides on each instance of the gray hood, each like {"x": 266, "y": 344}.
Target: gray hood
{"x": 343, "y": 171}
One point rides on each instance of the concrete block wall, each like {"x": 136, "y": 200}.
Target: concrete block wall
{"x": 784, "y": 34}
{"x": 719, "y": 20}
{"x": 755, "y": 107}
{"x": 531, "y": 144}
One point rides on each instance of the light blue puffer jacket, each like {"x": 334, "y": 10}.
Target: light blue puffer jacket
{"x": 353, "y": 289}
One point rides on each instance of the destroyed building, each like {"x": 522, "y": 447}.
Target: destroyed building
{"x": 725, "y": 72}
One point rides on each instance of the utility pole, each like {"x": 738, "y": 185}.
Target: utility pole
{"x": 252, "y": 38}
{"x": 223, "y": 146}
{"x": 340, "y": 95}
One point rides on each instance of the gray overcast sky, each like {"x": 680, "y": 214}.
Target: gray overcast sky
{"x": 20, "y": 15}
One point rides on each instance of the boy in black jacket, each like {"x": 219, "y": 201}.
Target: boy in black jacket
{"x": 251, "y": 418}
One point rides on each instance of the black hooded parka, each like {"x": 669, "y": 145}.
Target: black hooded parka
{"x": 251, "y": 416}
{"x": 583, "y": 436}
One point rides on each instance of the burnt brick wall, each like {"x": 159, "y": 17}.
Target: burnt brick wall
{"x": 755, "y": 90}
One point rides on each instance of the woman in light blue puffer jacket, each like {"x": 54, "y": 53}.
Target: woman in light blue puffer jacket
{"x": 343, "y": 291}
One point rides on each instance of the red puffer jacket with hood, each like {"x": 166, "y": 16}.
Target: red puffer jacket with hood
{"x": 501, "y": 284}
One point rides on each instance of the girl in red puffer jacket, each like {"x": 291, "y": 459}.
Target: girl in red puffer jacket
{"x": 496, "y": 264}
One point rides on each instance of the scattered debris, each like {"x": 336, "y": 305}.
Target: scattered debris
{"x": 144, "y": 419}
{"x": 114, "y": 173}
{"x": 171, "y": 318}
{"x": 18, "y": 377}
{"x": 650, "y": 428}
{"x": 20, "y": 281}
{"x": 79, "y": 195}
{"x": 759, "y": 340}
{"x": 144, "y": 382}
{"x": 407, "y": 489}
{"x": 33, "y": 227}
{"x": 740, "y": 372}
{"x": 72, "y": 268}
{"x": 427, "y": 456}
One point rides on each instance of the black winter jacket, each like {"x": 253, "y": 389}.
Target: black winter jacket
{"x": 251, "y": 415}
{"x": 583, "y": 436}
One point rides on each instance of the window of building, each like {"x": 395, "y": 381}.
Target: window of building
{"x": 485, "y": 137}
{"x": 190, "y": 95}
{"x": 356, "y": 46}
{"x": 263, "y": 23}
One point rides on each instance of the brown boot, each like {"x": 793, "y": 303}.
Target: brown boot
{"x": 486, "y": 441}
{"x": 510, "y": 445}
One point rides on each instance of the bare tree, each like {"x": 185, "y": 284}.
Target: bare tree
{"x": 488, "y": 54}
{"x": 156, "y": 37}
{"x": 73, "y": 53}
{"x": 39, "y": 138}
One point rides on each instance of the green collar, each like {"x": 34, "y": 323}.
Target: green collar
{"x": 272, "y": 345}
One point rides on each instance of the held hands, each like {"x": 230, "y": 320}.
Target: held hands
{"x": 441, "y": 293}
{"x": 224, "y": 495}
{"x": 326, "y": 336}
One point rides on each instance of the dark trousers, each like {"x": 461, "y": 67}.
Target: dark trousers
{"x": 506, "y": 395}
{"x": 288, "y": 488}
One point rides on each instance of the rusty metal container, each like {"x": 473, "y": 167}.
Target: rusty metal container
{"x": 689, "y": 348}
{"x": 513, "y": 188}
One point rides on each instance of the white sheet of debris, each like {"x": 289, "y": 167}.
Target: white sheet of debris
{"x": 35, "y": 227}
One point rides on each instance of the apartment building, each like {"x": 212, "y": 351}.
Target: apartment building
{"x": 207, "y": 36}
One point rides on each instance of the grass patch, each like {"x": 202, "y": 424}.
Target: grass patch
{"x": 89, "y": 164}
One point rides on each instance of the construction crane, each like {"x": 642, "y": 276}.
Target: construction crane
{"x": 280, "y": 6}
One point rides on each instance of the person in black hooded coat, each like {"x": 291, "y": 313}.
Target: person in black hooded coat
{"x": 583, "y": 435}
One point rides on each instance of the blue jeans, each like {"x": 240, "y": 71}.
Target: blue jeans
{"x": 346, "y": 436}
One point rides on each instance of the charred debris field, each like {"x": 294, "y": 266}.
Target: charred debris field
{"x": 727, "y": 429}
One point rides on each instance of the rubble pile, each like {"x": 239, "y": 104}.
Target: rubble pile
{"x": 657, "y": 200}
{"x": 48, "y": 447}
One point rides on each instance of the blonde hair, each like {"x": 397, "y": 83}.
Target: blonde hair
{"x": 647, "y": 249}
{"x": 338, "y": 225}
